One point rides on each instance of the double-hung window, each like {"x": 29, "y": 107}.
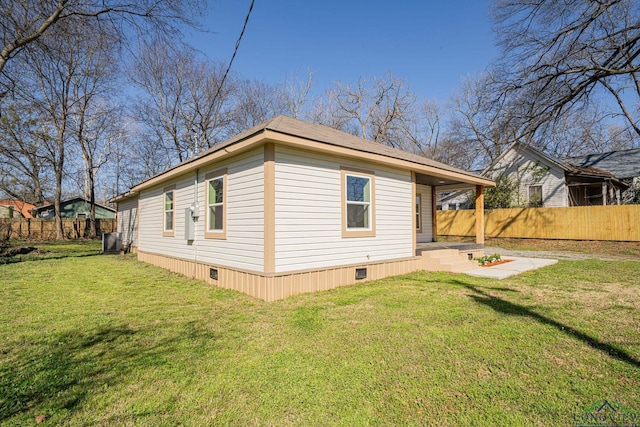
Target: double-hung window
{"x": 216, "y": 193}
{"x": 168, "y": 199}
{"x": 358, "y": 208}
{"x": 535, "y": 196}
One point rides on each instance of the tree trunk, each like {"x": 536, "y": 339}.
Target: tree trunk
{"x": 56, "y": 205}
{"x": 58, "y": 168}
{"x": 37, "y": 190}
{"x": 92, "y": 232}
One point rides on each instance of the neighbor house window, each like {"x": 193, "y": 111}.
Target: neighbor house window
{"x": 358, "y": 208}
{"x": 418, "y": 212}
{"x": 535, "y": 196}
{"x": 216, "y": 194}
{"x": 169, "y": 210}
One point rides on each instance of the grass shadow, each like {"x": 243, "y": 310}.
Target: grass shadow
{"x": 26, "y": 258}
{"x": 14, "y": 251}
{"x": 63, "y": 372}
{"x": 503, "y": 306}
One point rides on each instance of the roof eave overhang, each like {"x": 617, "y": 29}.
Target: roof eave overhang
{"x": 124, "y": 196}
{"x": 460, "y": 186}
{"x": 597, "y": 178}
{"x": 267, "y": 135}
{"x": 328, "y": 148}
{"x": 237, "y": 147}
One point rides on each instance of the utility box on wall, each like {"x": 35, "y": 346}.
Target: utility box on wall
{"x": 189, "y": 225}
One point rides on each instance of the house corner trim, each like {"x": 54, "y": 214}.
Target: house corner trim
{"x": 269, "y": 208}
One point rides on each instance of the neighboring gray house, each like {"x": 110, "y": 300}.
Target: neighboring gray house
{"x": 455, "y": 200}
{"x": 623, "y": 164}
{"x": 547, "y": 181}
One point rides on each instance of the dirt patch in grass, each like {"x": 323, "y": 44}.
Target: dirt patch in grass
{"x": 19, "y": 251}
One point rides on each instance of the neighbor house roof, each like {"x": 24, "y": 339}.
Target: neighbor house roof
{"x": 293, "y": 132}
{"x": 74, "y": 199}
{"x": 23, "y": 207}
{"x": 518, "y": 146}
{"x": 622, "y": 164}
{"x": 571, "y": 165}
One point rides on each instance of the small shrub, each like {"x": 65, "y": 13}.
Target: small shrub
{"x": 503, "y": 195}
{"x": 488, "y": 259}
{"x": 535, "y": 201}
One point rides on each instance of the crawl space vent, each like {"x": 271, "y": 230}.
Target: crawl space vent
{"x": 361, "y": 273}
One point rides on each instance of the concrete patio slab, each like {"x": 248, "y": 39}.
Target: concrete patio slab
{"x": 516, "y": 266}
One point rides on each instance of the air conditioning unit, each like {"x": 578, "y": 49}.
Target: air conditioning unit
{"x": 111, "y": 243}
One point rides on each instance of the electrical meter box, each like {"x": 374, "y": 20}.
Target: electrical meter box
{"x": 189, "y": 225}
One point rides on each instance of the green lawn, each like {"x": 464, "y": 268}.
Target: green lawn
{"x": 106, "y": 340}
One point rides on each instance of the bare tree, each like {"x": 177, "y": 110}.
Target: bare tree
{"x": 23, "y": 170}
{"x": 422, "y": 130}
{"x": 326, "y": 111}
{"x": 64, "y": 82}
{"x": 378, "y": 106}
{"x": 486, "y": 121}
{"x": 565, "y": 55}
{"x": 483, "y": 126}
{"x": 295, "y": 93}
{"x": 181, "y": 108}
{"x": 92, "y": 115}
{"x": 254, "y": 102}
{"x": 25, "y": 22}
{"x": 376, "y": 109}
{"x": 94, "y": 129}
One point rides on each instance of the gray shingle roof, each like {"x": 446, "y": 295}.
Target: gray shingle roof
{"x": 320, "y": 133}
{"x": 622, "y": 164}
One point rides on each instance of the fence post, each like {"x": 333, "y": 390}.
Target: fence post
{"x": 479, "y": 215}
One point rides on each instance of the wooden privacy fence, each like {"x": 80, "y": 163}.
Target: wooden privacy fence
{"x": 618, "y": 223}
{"x": 45, "y": 229}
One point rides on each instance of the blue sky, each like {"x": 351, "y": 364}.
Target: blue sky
{"x": 432, "y": 45}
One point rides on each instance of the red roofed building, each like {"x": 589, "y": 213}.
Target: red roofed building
{"x": 19, "y": 206}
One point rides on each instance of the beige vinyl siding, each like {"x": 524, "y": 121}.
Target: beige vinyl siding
{"x": 128, "y": 221}
{"x": 426, "y": 232}
{"x": 308, "y": 213}
{"x": 244, "y": 245}
{"x": 518, "y": 165}
{"x": 152, "y": 219}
